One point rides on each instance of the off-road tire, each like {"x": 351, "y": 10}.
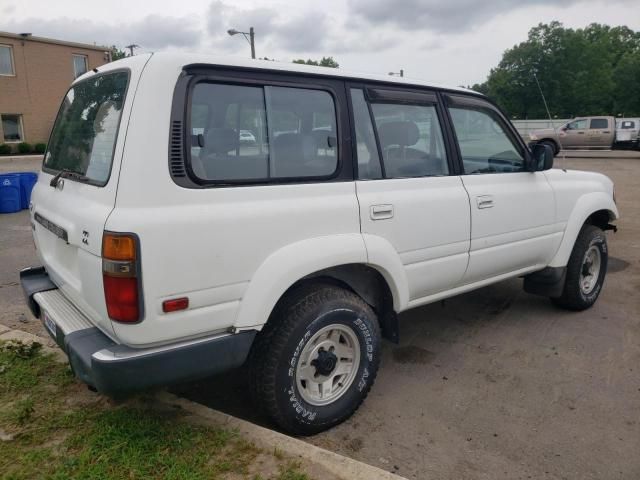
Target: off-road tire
{"x": 276, "y": 350}
{"x": 573, "y": 298}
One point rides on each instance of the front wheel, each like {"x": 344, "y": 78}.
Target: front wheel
{"x": 316, "y": 359}
{"x": 586, "y": 270}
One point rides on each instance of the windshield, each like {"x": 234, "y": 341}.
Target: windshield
{"x": 85, "y": 132}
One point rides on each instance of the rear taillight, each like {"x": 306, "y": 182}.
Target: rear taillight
{"x": 121, "y": 276}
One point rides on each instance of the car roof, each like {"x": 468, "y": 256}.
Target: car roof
{"x": 181, "y": 60}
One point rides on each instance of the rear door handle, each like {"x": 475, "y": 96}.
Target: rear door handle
{"x": 484, "y": 201}
{"x": 381, "y": 212}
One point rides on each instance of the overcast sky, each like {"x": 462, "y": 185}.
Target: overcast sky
{"x": 453, "y": 42}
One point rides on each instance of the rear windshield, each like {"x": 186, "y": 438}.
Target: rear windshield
{"x": 85, "y": 132}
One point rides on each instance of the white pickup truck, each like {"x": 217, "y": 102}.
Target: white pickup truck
{"x": 171, "y": 249}
{"x": 590, "y": 133}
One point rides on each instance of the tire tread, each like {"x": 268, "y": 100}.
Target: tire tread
{"x": 271, "y": 342}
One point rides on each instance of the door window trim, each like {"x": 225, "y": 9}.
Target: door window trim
{"x": 181, "y": 111}
{"x": 473, "y": 102}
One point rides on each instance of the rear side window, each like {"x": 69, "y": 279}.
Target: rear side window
{"x": 627, "y": 125}
{"x": 244, "y": 133}
{"x": 598, "y": 123}
{"x": 86, "y": 128}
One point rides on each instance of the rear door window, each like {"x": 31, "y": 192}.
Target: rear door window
{"x": 410, "y": 140}
{"x": 245, "y": 133}
{"x": 366, "y": 147}
{"x": 85, "y": 131}
{"x": 599, "y": 123}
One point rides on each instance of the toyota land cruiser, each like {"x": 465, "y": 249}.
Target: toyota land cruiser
{"x": 173, "y": 249}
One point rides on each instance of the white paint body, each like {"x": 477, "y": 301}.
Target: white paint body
{"x": 235, "y": 251}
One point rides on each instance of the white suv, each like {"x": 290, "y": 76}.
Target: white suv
{"x": 173, "y": 250}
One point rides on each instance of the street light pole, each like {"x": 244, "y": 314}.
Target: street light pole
{"x": 400, "y": 73}
{"x": 250, "y": 38}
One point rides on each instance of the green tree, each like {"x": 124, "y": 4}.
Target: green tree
{"x": 324, "y": 62}
{"x": 117, "y": 54}
{"x": 581, "y": 72}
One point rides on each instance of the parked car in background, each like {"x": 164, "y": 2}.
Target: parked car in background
{"x": 179, "y": 254}
{"x": 628, "y": 132}
{"x": 585, "y": 133}
{"x": 247, "y": 137}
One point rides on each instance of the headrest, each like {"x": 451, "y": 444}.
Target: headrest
{"x": 288, "y": 146}
{"x": 221, "y": 140}
{"x": 324, "y": 138}
{"x": 402, "y": 133}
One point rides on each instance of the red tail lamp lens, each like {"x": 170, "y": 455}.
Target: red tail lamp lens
{"x": 121, "y": 296}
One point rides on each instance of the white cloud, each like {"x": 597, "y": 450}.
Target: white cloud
{"x": 453, "y": 42}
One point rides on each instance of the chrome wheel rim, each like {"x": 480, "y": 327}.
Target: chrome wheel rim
{"x": 328, "y": 364}
{"x": 590, "y": 271}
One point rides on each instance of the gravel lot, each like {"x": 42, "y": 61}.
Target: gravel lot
{"x": 491, "y": 384}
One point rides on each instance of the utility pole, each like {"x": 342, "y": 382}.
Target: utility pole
{"x": 252, "y": 42}
{"x": 400, "y": 73}
{"x": 131, "y": 47}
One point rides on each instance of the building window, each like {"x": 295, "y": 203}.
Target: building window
{"x": 12, "y": 128}
{"x": 6, "y": 60}
{"x": 79, "y": 65}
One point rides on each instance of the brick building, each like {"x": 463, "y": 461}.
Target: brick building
{"x": 35, "y": 73}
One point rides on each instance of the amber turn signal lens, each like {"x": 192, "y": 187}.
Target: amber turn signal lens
{"x": 118, "y": 247}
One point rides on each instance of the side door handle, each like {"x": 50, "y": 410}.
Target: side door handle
{"x": 381, "y": 212}
{"x": 484, "y": 201}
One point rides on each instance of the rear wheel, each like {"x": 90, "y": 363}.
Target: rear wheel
{"x": 316, "y": 359}
{"x": 586, "y": 270}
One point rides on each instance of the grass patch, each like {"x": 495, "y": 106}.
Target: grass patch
{"x": 52, "y": 427}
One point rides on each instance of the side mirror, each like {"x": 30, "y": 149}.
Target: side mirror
{"x": 542, "y": 157}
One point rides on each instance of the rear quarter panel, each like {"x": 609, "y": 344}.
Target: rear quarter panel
{"x": 209, "y": 243}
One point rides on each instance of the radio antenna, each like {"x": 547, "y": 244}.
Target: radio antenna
{"x": 555, "y": 129}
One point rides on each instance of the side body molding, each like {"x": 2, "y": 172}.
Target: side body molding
{"x": 585, "y": 206}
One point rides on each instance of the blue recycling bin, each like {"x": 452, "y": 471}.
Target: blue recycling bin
{"x": 10, "y": 193}
{"x": 27, "y": 181}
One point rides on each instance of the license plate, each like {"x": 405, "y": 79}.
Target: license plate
{"x": 50, "y": 324}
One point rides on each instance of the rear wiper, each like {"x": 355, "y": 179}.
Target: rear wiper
{"x": 64, "y": 173}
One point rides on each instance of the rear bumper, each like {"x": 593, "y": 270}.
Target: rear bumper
{"x": 112, "y": 368}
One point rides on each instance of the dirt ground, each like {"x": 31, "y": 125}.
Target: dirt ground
{"x": 493, "y": 384}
